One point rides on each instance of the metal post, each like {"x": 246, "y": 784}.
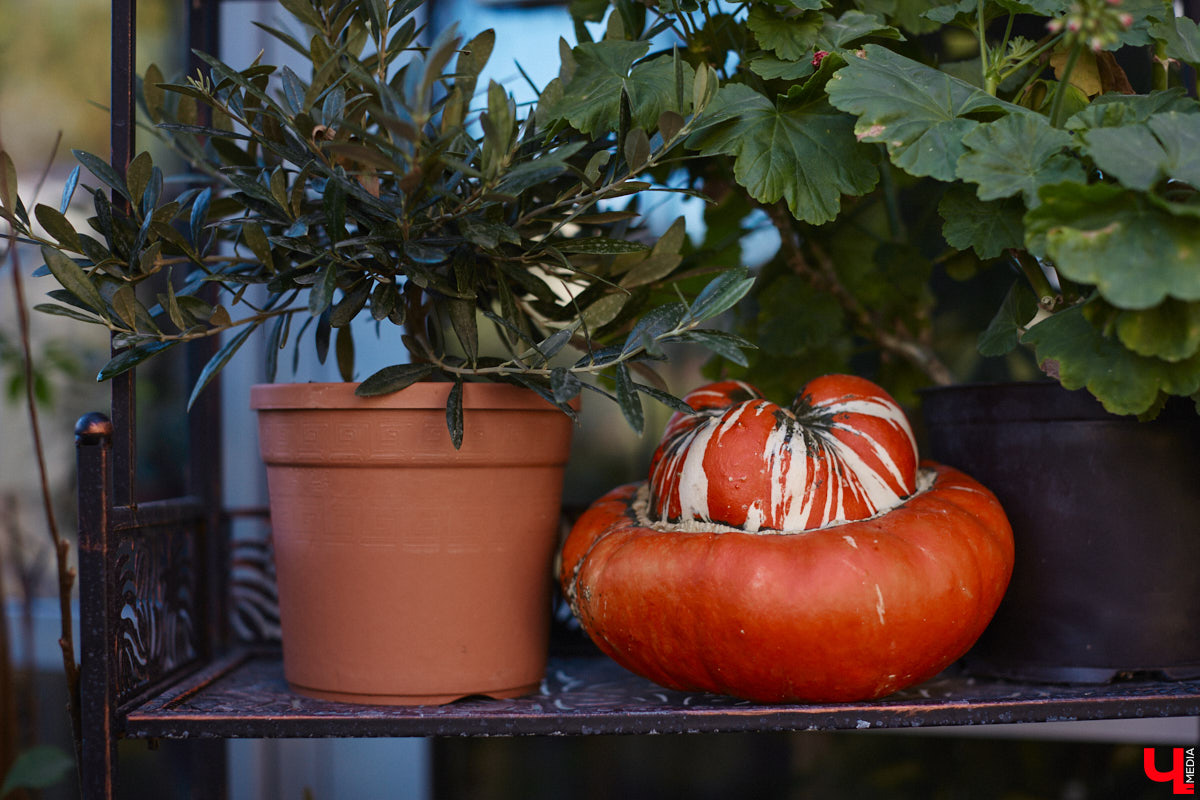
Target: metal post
{"x": 97, "y": 690}
{"x": 124, "y": 70}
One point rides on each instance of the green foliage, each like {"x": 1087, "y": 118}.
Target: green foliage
{"x": 382, "y": 182}
{"x": 37, "y": 768}
{"x": 1032, "y": 151}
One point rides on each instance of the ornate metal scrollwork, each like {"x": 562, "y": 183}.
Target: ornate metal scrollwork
{"x": 155, "y": 573}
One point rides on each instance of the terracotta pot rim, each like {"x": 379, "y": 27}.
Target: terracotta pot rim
{"x": 421, "y": 395}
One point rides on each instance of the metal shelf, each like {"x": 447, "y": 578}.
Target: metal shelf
{"x": 244, "y": 695}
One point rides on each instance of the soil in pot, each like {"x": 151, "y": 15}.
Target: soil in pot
{"x": 1106, "y": 521}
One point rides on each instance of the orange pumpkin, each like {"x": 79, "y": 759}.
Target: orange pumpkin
{"x": 789, "y": 554}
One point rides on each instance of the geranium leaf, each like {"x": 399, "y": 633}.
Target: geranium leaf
{"x": 1017, "y": 154}
{"x": 852, "y": 26}
{"x": 804, "y": 153}
{"x": 1170, "y": 331}
{"x": 773, "y": 68}
{"x": 1125, "y": 382}
{"x": 591, "y": 99}
{"x": 987, "y": 227}
{"x": 1004, "y": 331}
{"x": 789, "y": 36}
{"x": 1180, "y": 37}
{"x": 1134, "y": 251}
{"x": 1139, "y": 156}
{"x": 920, "y": 113}
{"x": 1114, "y": 110}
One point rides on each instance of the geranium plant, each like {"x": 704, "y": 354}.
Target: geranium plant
{"x": 880, "y": 137}
{"x": 383, "y": 185}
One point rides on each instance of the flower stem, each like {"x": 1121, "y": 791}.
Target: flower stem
{"x": 1037, "y": 279}
{"x": 1060, "y": 92}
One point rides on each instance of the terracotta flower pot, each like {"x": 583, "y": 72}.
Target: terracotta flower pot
{"x": 409, "y": 572}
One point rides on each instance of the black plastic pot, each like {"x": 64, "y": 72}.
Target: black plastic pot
{"x": 1106, "y": 518}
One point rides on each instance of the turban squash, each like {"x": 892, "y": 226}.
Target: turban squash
{"x": 789, "y": 554}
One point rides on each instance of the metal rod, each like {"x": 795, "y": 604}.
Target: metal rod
{"x": 97, "y": 690}
{"x": 124, "y": 398}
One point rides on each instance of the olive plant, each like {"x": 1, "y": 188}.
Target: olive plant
{"x": 386, "y": 183}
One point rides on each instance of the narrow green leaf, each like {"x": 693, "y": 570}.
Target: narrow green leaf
{"x": 600, "y": 245}
{"x": 293, "y": 90}
{"x": 219, "y": 360}
{"x": 175, "y": 312}
{"x": 463, "y": 320}
{"x": 257, "y": 241}
{"x": 137, "y": 175}
{"x": 102, "y": 170}
{"x": 727, "y": 345}
{"x": 669, "y": 125}
{"x": 275, "y": 342}
{"x": 199, "y": 213}
{"x": 8, "y": 183}
{"x": 66, "y": 311}
{"x": 721, "y": 294}
{"x": 344, "y": 350}
{"x": 72, "y": 278}
{"x": 57, "y": 226}
{"x": 129, "y": 358}
{"x": 628, "y": 400}
{"x": 304, "y": 11}
{"x": 654, "y": 323}
{"x": 552, "y": 344}
{"x": 604, "y": 310}
{"x": 321, "y": 294}
{"x": 219, "y": 318}
{"x": 322, "y": 337}
{"x": 126, "y": 305}
{"x": 637, "y": 149}
{"x": 384, "y": 301}
{"x": 68, "y": 191}
{"x": 663, "y": 258}
{"x": 454, "y": 412}
{"x": 564, "y": 384}
{"x": 334, "y": 204}
{"x": 393, "y": 379}
{"x": 152, "y": 92}
{"x": 669, "y": 400}
{"x": 351, "y": 303}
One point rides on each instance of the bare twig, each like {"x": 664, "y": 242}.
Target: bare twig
{"x": 821, "y": 273}
{"x": 62, "y": 548}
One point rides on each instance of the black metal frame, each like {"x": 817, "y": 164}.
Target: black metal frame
{"x": 156, "y": 655}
